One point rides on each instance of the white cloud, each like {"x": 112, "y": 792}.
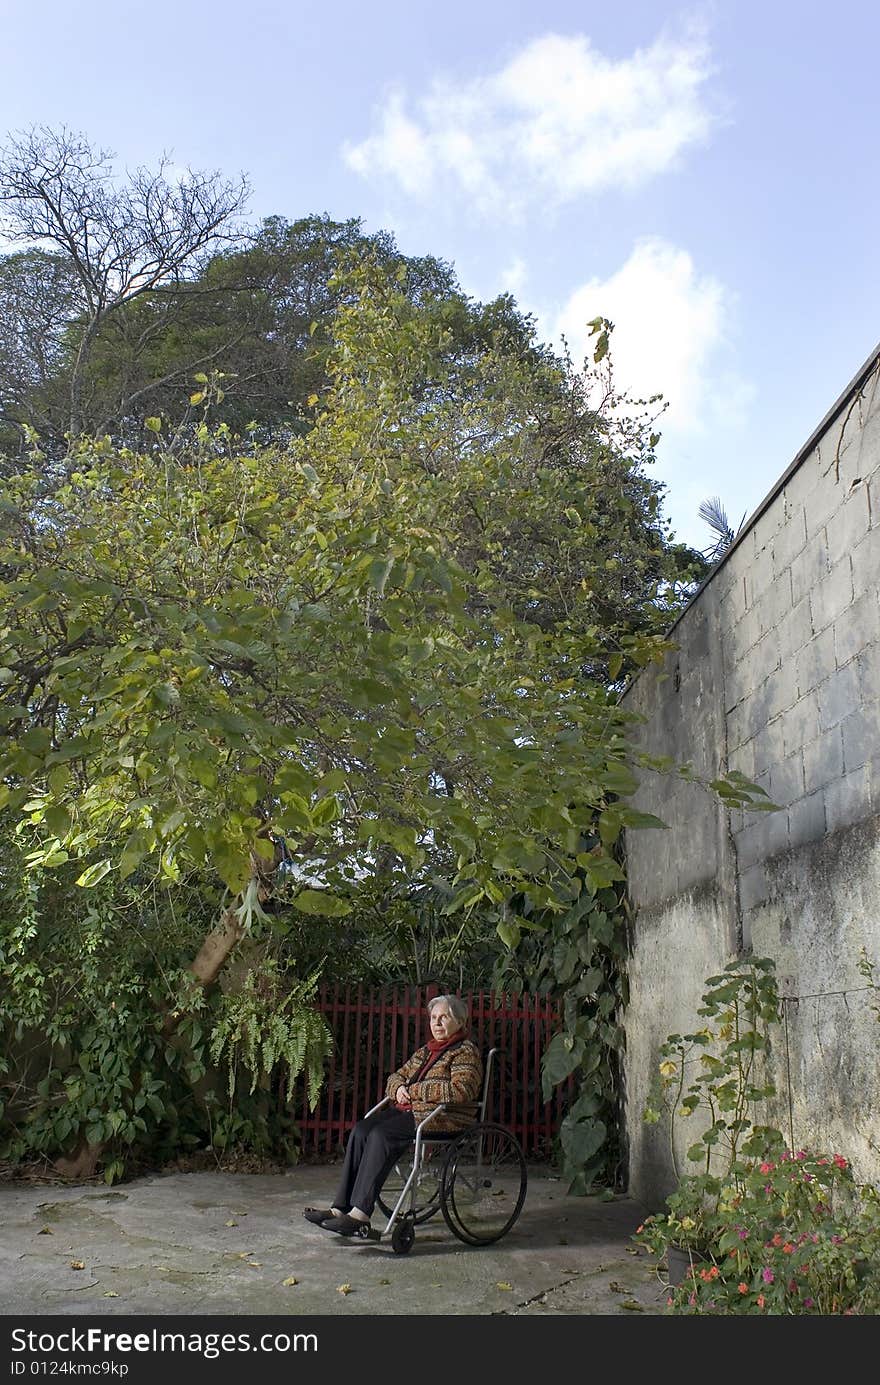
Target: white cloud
{"x": 513, "y": 277}
{"x": 559, "y": 120}
{"x": 673, "y": 330}
{"x": 671, "y": 325}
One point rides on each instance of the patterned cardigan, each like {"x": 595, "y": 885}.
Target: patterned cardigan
{"x": 456, "y": 1076}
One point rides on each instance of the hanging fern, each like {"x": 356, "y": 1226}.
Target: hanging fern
{"x": 268, "y": 1022}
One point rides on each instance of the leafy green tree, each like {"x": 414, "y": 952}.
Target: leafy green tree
{"x": 39, "y": 298}
{"x": 379, "y": 651}
{"x": 262, "y": 315}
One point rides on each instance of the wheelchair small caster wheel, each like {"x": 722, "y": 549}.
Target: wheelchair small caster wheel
{"x": 403, "y": 1236}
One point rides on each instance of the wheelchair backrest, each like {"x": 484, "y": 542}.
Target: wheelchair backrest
{"x": 483, "y": 1106}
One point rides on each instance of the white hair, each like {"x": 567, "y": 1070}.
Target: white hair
{"x": 455, "y": 1005}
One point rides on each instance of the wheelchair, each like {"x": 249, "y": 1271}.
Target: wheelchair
{"x": 476, "y": 1177}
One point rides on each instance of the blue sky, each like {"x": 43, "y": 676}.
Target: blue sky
{"x": 705, "y": 175}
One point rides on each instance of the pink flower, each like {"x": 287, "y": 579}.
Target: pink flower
{"x": 743, "y": 1288}
{"x": 801, "y": 1154}
{"x": 809, "y": 1303}
{"x": 767, "y": 1275}
{"x": 840, "y": 1161}
{"x": 767, "y": 1167}
{"x": 760, "y": 1300}
{"x": 787, "y": 1248}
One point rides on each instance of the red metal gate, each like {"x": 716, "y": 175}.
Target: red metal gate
{"x": 376, "y": 1030}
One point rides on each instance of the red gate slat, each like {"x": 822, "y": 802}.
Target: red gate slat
{"x": 357, "y": 1106}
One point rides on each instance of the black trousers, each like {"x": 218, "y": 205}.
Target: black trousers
{"x": 373, "y": 1145}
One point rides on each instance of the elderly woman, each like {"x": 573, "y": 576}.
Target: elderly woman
{"x": 446, "y": 1069}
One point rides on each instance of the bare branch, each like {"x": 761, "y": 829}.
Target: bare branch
{"x": 123, "y": 237}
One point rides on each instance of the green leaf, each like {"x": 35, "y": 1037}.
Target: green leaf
{"x": 319, "y": 902}
{"x": 464, "y": 898}
{"x": 379, "y": 572}
{"x": 509, "y": 933}
{"x": 581, "y": 1139}
{"x": 562, "y": 1057}
{"x": 93, "y": 874}
{"x": 133, "y": 853}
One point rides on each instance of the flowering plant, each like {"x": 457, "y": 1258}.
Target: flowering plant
{"x": 793, "y": 1233}
{"x": 714, "y": 1076}
{"x": 765, "y": 1229}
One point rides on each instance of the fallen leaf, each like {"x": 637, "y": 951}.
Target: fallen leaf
{"x": 45, "y": 1231}
{"x": 77, "y": 1264}
{"x": 632, "y": 1250}
{"x": 290, "y": 1281}
{"x": 344, "y": 1289}
{"x": 616, "y": 1288}
{"x": 383, "y": 1281}
{"x": 111, "y": 1293}
{"x": 231, "y": 1223}
{"x": 245, "y": 1254}
{"x": 255, "y": 1264}
{"x": 632, "y": 1305}
{"x": 503, "y": 1284}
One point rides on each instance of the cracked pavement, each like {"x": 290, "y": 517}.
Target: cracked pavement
{"x": 223, "y": 1243}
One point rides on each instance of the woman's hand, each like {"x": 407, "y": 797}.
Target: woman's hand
{"x": 402, "y": 1094}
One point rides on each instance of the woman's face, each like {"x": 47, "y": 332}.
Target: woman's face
{"x": 443, "y": 1023}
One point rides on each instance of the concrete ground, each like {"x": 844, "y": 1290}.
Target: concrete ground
{"x": 237, "y": 1244}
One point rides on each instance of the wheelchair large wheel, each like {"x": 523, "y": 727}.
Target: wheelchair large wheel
{"x": 427, "y": 1193}
{"x": 483, "y": 1185}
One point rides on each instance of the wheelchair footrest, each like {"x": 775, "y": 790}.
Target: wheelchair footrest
{"x": 368, "y": 1233}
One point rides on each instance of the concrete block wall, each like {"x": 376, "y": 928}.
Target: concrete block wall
{"x": 777, "y": 675}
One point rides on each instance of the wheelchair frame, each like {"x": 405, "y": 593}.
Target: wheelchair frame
{"x": 402, "y": 1220}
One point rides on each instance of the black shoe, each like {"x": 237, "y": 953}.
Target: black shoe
{"x": 344, "y": 1225}
{"x": 318, "y": 1215}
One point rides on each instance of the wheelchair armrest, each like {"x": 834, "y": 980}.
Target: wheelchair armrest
{"x": 426, "y": 1120}
{"x": 378, "y": 1107}
{"x": 461, "y": 1108}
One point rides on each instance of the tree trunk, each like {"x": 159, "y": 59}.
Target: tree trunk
{"x": 214, "y": 951}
